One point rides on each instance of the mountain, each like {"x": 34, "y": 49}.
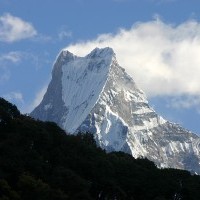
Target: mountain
{"x": 39, "y": 161}
{"x": 94, "y": 94}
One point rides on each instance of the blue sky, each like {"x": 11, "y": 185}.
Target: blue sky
{"x": 157, "y": 41}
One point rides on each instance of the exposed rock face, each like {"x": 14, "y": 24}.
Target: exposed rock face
{"x": 93, "y": 93}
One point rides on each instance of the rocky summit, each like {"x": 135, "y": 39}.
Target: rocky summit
{"x": 95, "y": 94}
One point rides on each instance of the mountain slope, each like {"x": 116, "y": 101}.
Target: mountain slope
{"x": 94, "y": 94}
{"x": 38, "y": 161}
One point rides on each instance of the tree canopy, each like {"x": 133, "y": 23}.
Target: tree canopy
{"x": 39, "y": 161}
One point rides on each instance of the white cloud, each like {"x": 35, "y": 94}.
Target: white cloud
{"x": 13, "y": 29}
{"x": 13, "y": 56}
{"x": 42, "y": 38}
{"x": 5, "y": 60}
{"x": 5, "y": 75}
{"x": 120, "y": 0}
{"x": 38, "y": 98}
{"x": 64, "y": 34}
{"x": 11, "y": 59}
{"x": 162, "y": 1}
{"x": 184, "y": 102}
{"x": 14, "y": 97}
{"x": 162, "y": 58}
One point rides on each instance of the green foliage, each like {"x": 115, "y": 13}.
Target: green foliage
{"x": 8, "y": 108}
{"x": 32, "y": 189}
{"x": 38, "y": 160}
{"x": 7, "y": 113}
{"x": 6, "y": 192}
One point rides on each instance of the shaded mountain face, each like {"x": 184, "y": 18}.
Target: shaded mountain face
{"x": 94, "y": 94}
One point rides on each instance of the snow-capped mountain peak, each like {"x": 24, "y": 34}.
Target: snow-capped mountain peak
{"x": 101, "y": 52}
{"x": 84, "y": 79}
{"x": 94, "y": 94}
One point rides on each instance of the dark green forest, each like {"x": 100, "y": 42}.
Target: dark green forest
{"x": 39, "y": 161}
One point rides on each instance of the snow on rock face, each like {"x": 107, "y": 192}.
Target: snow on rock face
{"x": 94, "y": 94}
{"x": 83, "y": 80}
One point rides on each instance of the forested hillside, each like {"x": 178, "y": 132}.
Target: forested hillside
{"x": 39, "y": 161}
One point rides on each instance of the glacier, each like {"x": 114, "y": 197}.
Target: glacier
{"x": 95, "y": 94}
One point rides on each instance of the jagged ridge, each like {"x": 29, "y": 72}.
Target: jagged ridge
{"x": 95, "y": 94}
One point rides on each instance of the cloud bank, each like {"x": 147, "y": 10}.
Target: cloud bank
{"x": 185, "y": 102}
{"x": 64, "y": 34}
{"x": 13, "y": 57}
{"x": 163, "y": 59}
{"x": 14, "y": 96}
{"x": 37, "y": 100}
{"x": 13, "y": 29}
